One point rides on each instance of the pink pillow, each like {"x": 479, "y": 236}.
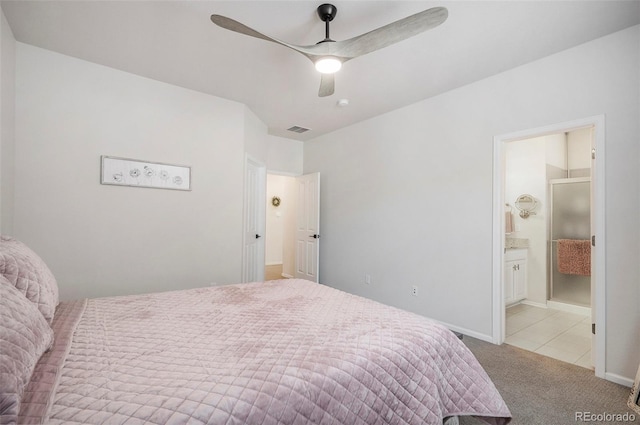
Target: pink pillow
{"x": 24, "y": 336}
{"x": 26, "y": 271}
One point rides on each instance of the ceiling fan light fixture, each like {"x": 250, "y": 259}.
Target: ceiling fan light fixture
{"x": 328, "y": 65}
{"x": 328, "y": 55}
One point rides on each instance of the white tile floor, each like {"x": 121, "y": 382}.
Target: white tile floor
{"x": 553, "y": 333}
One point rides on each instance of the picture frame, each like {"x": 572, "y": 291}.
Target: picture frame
{"x": 119, "y": 171}
{"x": 634, "y": 397}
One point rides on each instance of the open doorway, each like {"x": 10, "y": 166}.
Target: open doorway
{"x": 547, "y": 245}
{"x": 530, "y": 294}
{"x": 280, "y": 227}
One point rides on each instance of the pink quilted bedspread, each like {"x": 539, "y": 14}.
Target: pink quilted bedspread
{"x": 280, "y": 352}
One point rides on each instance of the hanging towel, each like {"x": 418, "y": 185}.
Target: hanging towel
{"x": 574, "y": 257}
{"x": 508, "y": 222}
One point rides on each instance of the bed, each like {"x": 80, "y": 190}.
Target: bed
{"x": 277, "y": 352}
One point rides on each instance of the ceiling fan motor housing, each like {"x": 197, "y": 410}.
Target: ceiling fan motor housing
{"x": 327, "y": 12}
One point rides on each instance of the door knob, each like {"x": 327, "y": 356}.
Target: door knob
{"x": 314, "y": 236}
{"x": 257, "y": 236}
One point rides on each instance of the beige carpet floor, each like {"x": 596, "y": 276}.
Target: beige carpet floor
{"x": 545, "y": 391}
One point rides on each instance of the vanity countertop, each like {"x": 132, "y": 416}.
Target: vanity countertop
{"x": 516, "y": 243}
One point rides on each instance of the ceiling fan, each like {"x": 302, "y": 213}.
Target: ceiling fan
{"x": 328, "y": 55}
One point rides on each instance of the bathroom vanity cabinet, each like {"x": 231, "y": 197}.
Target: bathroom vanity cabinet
{"x": 515, "y": 275}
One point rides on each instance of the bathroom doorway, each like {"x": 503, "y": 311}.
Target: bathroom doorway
{"x": 528, "y": 312}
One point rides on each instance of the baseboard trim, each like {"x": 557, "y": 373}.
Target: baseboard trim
{"x": 273, "y": 264}
{"x": 622, "y": 380}
{"x": 534, "y": 304}
{"x": 286, "y": 276}
{"x": 569, "y": 308}
{"x": 465, "y": 331}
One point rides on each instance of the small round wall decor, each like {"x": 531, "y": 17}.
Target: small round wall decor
{"x": 275, "y": 201}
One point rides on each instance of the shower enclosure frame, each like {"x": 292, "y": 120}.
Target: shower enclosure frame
{"x": 550, "y": 241}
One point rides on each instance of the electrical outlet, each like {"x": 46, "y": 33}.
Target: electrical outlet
{"x": 414, "y": 290}
{"x": 367, "y": 279}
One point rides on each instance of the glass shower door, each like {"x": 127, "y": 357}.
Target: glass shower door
{"x": 570, "y": 219}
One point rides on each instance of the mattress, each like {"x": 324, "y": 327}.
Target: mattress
{"x": 278, "y": 352}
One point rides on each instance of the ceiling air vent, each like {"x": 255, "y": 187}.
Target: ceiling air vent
{"x": 297, "y": 129}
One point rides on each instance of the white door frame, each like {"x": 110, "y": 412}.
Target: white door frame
{"x": 599, "y": 265}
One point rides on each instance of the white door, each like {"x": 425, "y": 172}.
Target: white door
{"x": 254, "y": 221}
{"x": 592, "y": 206}
{"x": 307, "y": 226}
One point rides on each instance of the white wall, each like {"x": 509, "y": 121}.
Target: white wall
{"x": 275, "y": 219}
{"x": 579, "y": 149}
{"x": 285, "y": 156}
{"x": 556, "y": 151}
{"x": 280, "y": 156}
{"x": 255, "y": 137}
{"x": 106, "y": 240}
{"x": 7, "y": 126}
{"x": 407, "y": 196}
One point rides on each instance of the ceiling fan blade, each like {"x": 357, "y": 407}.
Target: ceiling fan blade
{"x": 312, "y": 52}
{"x": 391, "y": 33}
{"x": 327, "y": 85}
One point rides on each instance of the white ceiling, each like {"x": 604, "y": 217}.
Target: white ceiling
{"x": 175, "y": 42}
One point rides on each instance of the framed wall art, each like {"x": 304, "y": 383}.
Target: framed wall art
{"x": 138, "y": 173}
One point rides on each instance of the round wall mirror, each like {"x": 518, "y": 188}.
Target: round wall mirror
{"x": 526, "y": 204}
